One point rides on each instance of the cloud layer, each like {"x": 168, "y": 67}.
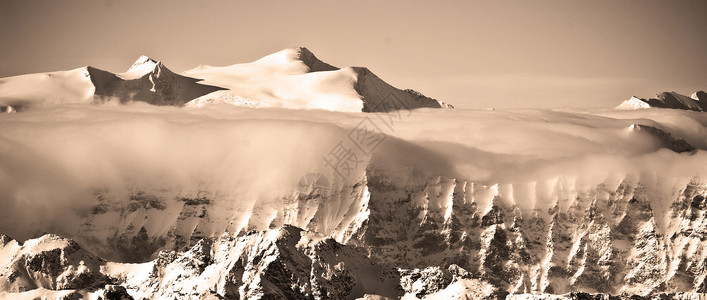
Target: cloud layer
{"x": 54, "y": 159}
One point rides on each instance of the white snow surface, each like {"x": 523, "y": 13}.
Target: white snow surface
{"x": 73, "y": 86}
{"x": 141, "y": 66}
{"x": 289, "y": 87}
{"x": 292, "y": 78}
{"x": 633, "y": 103}
{"x": 285, "y": 79}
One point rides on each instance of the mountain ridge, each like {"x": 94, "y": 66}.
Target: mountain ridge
{"x": 696, "y": 102}
{"x": 292, "y": 78}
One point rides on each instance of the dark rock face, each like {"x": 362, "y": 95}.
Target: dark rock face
{"x": 311, "y": 61}
{"x": 426, "y": 281}
{"x": 282, "y": 263}
{"x": 675, "y": 100}
{"x": 158, "y": 87}
{"x": 116, "y": 292}
{"x": 701, "y": 96}
{"x": 7, "y": 109}
{"x": 379, "y": 96}
{"x": 665, "y": 138}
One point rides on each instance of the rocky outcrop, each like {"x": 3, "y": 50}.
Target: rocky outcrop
{"x": 7, "y": 109}
{"x": 379, "y": 96}
{"x": 312, "y": 62}
{"x": 48, "y": 262}
{"x": 281, "y": 263}
{"x": 665, "y": 138}
{"x": 155, "y": 84}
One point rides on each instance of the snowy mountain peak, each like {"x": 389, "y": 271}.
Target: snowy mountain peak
{"x": 291, "y": 78}
{"x": 296, "y": 78}
{"x": 633, "y": 103}
{"x": 667, "y": 100}
{"x": 297, "y": 55}
{"x": 314, "y": 64}
{"x": 282, "y": 56}
{"x": 142, "y": 64}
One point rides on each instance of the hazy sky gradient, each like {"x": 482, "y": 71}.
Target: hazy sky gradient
{"x": 473, "y": 54}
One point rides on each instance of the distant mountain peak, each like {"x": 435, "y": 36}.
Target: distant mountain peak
{"x": 666, "y": 139}
{"x": 296, "y": 78}
{"x": 695, "y": 102}
{"x": 290, "y": 78}
{"x": 314, "y": 64}
{"x": 143, "y": 63}
{"x": 301, "y": 54}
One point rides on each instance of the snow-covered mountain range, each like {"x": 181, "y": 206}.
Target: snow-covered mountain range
{"x": 697, "y": 101}
{"x": 291, "y": 192}
{"x": 291, "y": 78}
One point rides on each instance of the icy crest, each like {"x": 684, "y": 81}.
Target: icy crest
{"x": 143, "y": 64}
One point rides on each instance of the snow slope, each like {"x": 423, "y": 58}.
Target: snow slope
{"x": 295, "y": 78}
{"x": 48, "y": 88}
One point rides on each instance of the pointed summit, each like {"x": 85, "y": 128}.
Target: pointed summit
{"x": 143, "y": 64}
{"x": 298, "y": 56}
{"x": 296, "y": 78}
{"x": 314, "y": 64}
{"x": 699, "y": 96}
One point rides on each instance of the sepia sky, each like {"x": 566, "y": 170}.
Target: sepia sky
{"x": 473, "y": 54}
